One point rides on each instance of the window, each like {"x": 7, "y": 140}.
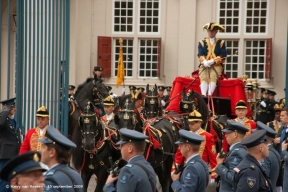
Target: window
{"x": 127, "y": 56}
{"x": 255, "y": 58}
{"x": 248, "y": 38}
{"x": 148, "y": 58}
{"x": 141, "y": 47}
{"x": 256, "y": 16}
{"x": 229, "y": 15}
{"x": 231, "y": 63}
{"x": 149, "y": 16}
{"x": 123, "y": 16}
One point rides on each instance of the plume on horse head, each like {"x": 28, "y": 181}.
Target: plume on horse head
{"x": 192, "y": 100}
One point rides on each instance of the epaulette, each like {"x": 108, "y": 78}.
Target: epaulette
{"x": 252, "y": 166}
{"x": 222, "y": 43}
{"x": 192, "y": 162}
{"x": 129, "y": 165}
{"x": 50, "y": 173}
{"x": 202, "y": 43}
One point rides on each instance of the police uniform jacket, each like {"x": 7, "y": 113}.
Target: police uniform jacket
{"x": 63, "y": 178}
{"x": 133, "y": 178}
{"x": 265, "y": 114}
{"x": 271, "y": 165}
{"x": 194, "y": 177}
{"x": 285, "y": 158}
{"x": 251, "y": 177}
{"x": 225, "y": 170}
{"x": 10, "y": 136}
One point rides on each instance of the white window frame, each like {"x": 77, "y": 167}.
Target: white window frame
{"x": 138, "y": 68}
{"x": 267, "y": 19}
{"x": 113, "y": 17}
{"x": 240, "y": 17}
{"x": 159, "y": 20}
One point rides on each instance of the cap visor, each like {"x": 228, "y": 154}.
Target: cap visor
{"x": 227, "y": 131}
{"x": 178, "y": 142}
{"x": 34, "y": 169}
{"x": 44, "y": 140}
{"x": 121, "y": 142}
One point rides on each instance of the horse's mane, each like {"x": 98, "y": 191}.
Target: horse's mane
{"x": 202, "y": 106}
{"x": 81, "y": 86}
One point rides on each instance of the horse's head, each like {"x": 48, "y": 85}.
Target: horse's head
{"x": 152, "y": 102}
{"x": 99, "y": 92}
{"x": 187, "y": 103}
{"x": 126, "y": 116}
{"x": 90, "y": 127}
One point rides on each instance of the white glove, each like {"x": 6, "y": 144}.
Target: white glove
{"x": 163, "y": 103}
{"x": 205, "y": 63}
{"x": 123, "y": 90}
{"x": 263, "y": 103}
{"x": 212, "y": 181}
{"x": 211, "y": 62}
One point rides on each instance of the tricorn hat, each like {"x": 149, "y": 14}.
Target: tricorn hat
{"x": 214, "y": 26}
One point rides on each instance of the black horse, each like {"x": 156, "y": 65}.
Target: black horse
{"x": 162, "y": 135}
{"x": 94, "y": 91}
{"x": 95, "y": 145}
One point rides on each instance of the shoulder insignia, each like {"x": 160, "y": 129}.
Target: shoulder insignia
{"x": 192, "y": 162}
{"x": 224, "y": 170}
{"x": 237, "y": 149}
{"x": 129, "y": 165}
{"x": 222, "y": 43}
{"x": 49, "y": 173}
{"x": 235, "y": 161}
{"x": 252, "y": 166}
{"x": 188, "y": 176}
{"x": 202, "y": 43}
{"x": 123, "y": 179}
{"x": 251, "y": 181}
{"x": 236, "y": 169}
{"x": 213, "y": 149}
{"x": 266, "y": 182}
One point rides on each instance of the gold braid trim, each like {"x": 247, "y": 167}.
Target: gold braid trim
{"x": 247, "y": 124}
{"x": 203, "y": 143}
{"x": 222, "y": 43}
{"x": 276, "y": 127}
{"x": 202, "y": 43}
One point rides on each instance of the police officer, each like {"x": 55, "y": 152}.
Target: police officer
{"x": 272, "y": 163}
{"x": 250, "y": 175}
{"x": 71, "y": 91}
{"x": 55, "y": 154}
{"x": 138, "y": 175}
{"x": 161, "y": 90}
{"x": 235, "y": 133}
{"x": 98, "y": 73}
{"x": 264, "y": 108}
{"x": 195, "y": 176}
{"x": 24, "y": 173}
{"x": 10, "y": 136}
{"x": 167, "y": 96}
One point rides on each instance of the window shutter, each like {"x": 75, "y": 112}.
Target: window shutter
{"x": 104, "y": 55}
{"x": 159, "y": 58}
{"x": 268, "y": 58}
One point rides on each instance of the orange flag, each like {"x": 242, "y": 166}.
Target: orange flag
{"x": 121, "y": 71}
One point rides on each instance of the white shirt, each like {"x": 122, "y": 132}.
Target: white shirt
{"x": 109, "y": 117}
{"x": 212, "y": 40}
{"x": 279, "y": 123}
{"x": 197, "y": 132}
{"x": 240, "y": 120}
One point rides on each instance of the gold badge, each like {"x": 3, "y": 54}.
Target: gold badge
{"x": 36, "y": 158}
{"x": 214, "y": 149}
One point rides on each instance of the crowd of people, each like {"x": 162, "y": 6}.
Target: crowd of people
{"x": 253, "y": 156}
